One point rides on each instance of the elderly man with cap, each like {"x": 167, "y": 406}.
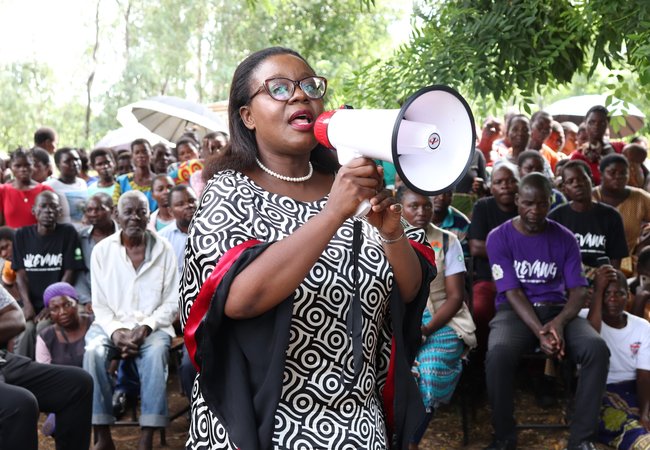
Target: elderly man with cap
{"x": 134, "y": 281}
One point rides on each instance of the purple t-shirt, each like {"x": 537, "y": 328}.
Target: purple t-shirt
{"x": 544, "y": 265}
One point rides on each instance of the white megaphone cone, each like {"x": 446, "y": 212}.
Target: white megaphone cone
{"x": 430, "y": 140}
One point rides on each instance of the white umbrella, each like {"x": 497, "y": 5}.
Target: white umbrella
{"x": 121, "y": 138}
{"x": 625, "y": 118}
{"x": 170, "y": 117}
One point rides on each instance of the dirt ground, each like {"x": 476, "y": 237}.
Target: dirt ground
{"x": 445, "y": 430}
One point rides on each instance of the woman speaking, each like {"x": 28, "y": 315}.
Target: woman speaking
{"x": 302, "y": 320}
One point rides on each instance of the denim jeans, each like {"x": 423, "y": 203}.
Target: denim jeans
{"x": 152, "y": 368}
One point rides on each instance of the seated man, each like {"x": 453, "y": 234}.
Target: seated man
{"x": 27, "y": 387}
{"x": 534, "y": 261}
{"x": 597, "y": 227}
{"x": 182, "y": 202}
{"x": 43, "y": 254}
{"x": 135, "y": 299}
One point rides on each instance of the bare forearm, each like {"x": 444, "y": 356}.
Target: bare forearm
{"x": 279, "y": 270}
{"x": 595, "y": 315}
{"x": 406, "y": 268}
{"x": 69, "y": 276}
{"x": 21, "y": 282}
{"x": 477, "y": 248}
{"x": 524, "y": 310}
{"x": 454, "y": 290}
{"x": 12, "y": 322}
{"x": 573, "y": 306}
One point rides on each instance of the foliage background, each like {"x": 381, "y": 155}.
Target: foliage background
{"x": 499, "y": 54}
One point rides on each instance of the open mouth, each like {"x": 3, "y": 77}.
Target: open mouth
{"x": 301, "y": 118}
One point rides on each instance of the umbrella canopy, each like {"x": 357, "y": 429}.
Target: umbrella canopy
{"x": 625, "y": 118}
{"x": 170, "y": 117}
{"x": 121, "y": 138}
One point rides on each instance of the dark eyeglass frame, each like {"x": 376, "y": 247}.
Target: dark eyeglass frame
{"x": 294, "y": 83}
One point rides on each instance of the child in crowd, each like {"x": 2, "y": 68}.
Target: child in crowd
{"x": 162, "y": 158}
{"x": 124, "y": 163}
{"x": 18, "y": 196}
{"x": 160, "y": 188}
{"x": 101, "y": 160}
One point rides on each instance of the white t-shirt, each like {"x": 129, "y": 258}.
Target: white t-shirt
{"x": 73, "y": 199}
{"x": 629, "y": 347}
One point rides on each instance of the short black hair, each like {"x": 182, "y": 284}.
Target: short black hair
{"x": 541, "y": 114}
{"x": 178, "y": 188}
{"x": 610, "y": 159}
{"x": 21, "y": 153}
{"x": 598, "y": 109}
{"x": 529, "y": 154}
{"x": 158, "y": 177}
{"x": 62, "y": 151}
{"x": 7, "y": 233}
{"x": 103, "y": 198}
{"x": 536, "y": 180}
{"x": 140, "y": 142}
{"x": 43, "y": 135}
{"x": 577, "y": 164}
{"x": 96, "y": 153}
{"x": 38, "y": 154}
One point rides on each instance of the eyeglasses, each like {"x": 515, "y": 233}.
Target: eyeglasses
{"x": 281, "y": 89}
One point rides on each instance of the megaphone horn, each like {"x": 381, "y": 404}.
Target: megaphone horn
{"x": 430, "y": 139}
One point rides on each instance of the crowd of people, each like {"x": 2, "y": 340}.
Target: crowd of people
{"x": 306, "y": 326}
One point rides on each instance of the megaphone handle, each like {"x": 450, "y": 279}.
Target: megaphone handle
{"x": 363, "y": 209}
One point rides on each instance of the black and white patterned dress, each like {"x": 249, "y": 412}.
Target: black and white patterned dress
{"x": 316, "y": 409}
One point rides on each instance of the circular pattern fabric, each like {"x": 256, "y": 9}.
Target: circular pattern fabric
{"x": 317, "y": 409}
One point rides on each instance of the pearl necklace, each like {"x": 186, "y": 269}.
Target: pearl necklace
{"x": 284, "y": 178}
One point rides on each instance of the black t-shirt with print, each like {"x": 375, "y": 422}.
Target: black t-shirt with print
{"x": 599, "y": 231}
{"x": 46, "y": 258}
{"x": 486, "y": 216}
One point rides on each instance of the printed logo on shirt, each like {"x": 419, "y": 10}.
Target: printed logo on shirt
{"x": 497, "y": 272}
{"x": 591, "y": 243}
{"x": 77, "y": 254}
{"x": 634, "y": 348}
{"x": 49, "y": 261}
{"x": 535, "y": 272}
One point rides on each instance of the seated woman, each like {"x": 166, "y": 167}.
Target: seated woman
{"x": 625, "y": 410}
{"x": 489, "y": 213}
{"x": 63, "y": 341}
{"x": 632, "y": 203}
{"x": 446, "y": 323}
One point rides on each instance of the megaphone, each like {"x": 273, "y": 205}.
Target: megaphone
{"x": 430, "y": 140}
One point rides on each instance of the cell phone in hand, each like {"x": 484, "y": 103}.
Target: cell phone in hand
{"x": 603, "y": 261}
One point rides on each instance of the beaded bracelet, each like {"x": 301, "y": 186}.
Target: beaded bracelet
{"x": 391, "y": 241}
